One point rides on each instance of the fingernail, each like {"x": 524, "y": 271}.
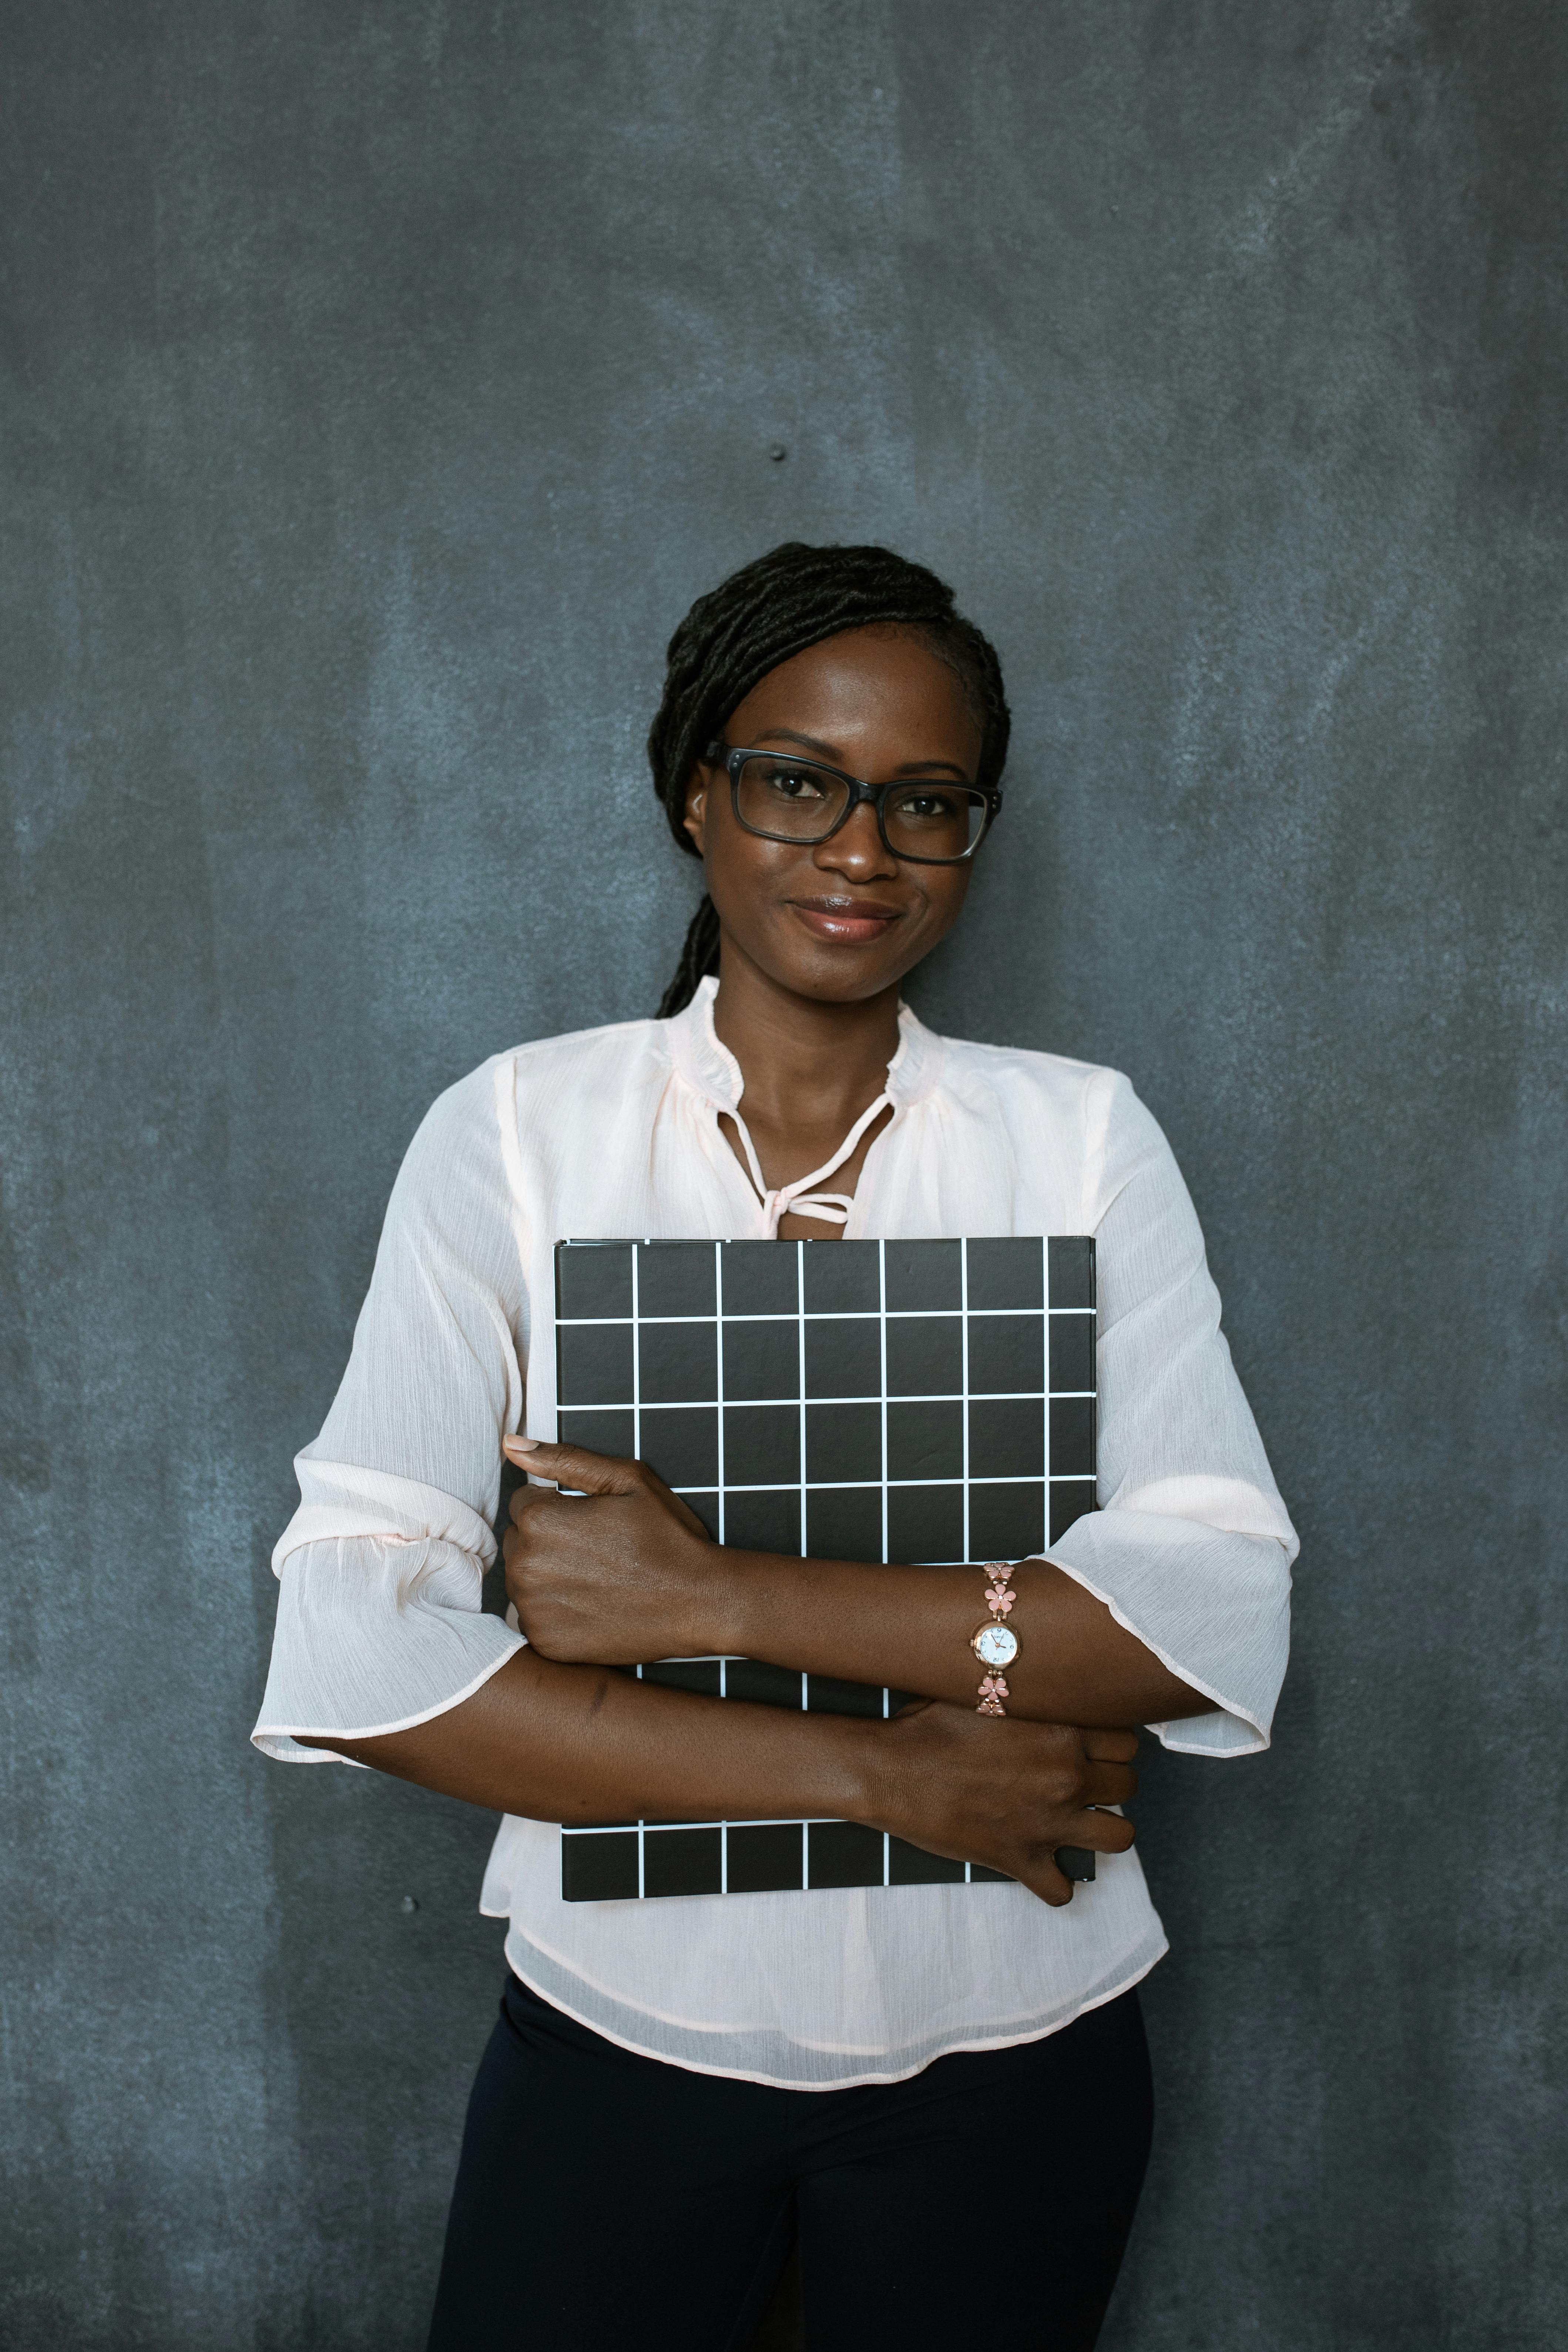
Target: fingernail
{"x": 519, "y": 1445}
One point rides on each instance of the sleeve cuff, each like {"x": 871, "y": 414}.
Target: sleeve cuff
{"x": 1212, "y": 1605}
{"x": 374, "y": 1636}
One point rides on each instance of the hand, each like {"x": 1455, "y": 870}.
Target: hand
{"x": 619, "y": 1574}
{"x": 1007, "y": 1793}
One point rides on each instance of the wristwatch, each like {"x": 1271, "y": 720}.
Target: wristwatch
{"x": 994, "y": 1643}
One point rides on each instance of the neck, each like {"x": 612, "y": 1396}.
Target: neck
{"x": 803, "y": 1061}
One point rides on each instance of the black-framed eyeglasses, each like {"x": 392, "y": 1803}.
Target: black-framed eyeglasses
{"x": 927, "y": 820}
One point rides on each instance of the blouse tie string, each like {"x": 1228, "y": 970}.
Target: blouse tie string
{"x": 833, "y": 1208}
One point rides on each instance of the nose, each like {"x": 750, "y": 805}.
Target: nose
{"x": 857, "y": 850}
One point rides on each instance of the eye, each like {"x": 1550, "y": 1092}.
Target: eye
{"x": 794, "y": 783}
{"x": 928, "y": 807}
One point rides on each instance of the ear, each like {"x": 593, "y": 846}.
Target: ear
{"x": 694, "y": 818}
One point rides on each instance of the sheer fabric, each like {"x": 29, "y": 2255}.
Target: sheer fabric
{"x": 613, "y": 1132}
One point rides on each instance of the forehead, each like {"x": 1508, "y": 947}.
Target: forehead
{"x": 880, "y": 686}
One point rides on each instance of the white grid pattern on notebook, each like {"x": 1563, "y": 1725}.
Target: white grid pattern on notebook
{"x": 680, "y": 1359}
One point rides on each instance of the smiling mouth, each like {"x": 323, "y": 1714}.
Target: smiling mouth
{"x": 854, "y": 921}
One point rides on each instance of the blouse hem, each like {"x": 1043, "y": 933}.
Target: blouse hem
{"x": 1136, "y": 1972}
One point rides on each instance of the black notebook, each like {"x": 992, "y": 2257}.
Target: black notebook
{"x": 931, "y": 1401}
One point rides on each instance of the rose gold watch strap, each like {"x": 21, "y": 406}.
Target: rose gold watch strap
{"x": 999, "y": 1600}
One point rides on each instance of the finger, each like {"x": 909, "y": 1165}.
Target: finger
{"x": 1109, "y": 1784}
{"x": 1105, "y": 1832}
{"x": 517, "y": 1543}
{"x": 574, "y": 1465}
{"x": 526, "y": 1502}
{"x": 687, "y": 1515}
{"x": 1110, "y": 1747}
{"x": 1043, "y": 1878}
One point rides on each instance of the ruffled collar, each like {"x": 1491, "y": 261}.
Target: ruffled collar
{"x": 708, "y": 1064}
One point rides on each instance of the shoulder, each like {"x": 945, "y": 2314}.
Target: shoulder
{"x": 1022, "y": 1079}
{"x": 586, "y": 1077}
{"x": 618, "y": 1044}
{"x": 582, "y": 1061}
{"x": 622, "y": 1048}
{"x": 580, "y": 1084}
{"x": 464, "y": 1175}
{"x": 1082, "y": 1115}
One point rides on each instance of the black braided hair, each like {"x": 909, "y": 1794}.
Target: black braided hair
{"x": 763, "y": 615}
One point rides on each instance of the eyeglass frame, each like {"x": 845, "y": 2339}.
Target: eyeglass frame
{"x": 721, "y": 754}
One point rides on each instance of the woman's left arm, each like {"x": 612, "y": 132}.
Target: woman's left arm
{"x": 621, "y": 1571}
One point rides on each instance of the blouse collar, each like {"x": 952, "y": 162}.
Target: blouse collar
{"x": 707, "y": 1064}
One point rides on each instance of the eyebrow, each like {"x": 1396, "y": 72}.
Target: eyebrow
{"x": 830, "y": 754}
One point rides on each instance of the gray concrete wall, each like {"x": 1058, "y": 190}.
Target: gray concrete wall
{"x": 379, "y": 383}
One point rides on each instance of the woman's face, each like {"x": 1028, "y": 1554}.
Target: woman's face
{"x": 844, "y": 919}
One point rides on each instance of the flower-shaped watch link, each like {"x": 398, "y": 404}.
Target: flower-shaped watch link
{"x": 994, "y": 1643}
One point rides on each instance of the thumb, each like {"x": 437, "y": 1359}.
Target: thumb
{"x": 575, "y": 1466}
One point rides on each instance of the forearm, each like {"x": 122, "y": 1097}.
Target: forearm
{"x": 621, "y": 1570}
{"x": 911, "y": 1628}
{"x": 582, "y": 1744}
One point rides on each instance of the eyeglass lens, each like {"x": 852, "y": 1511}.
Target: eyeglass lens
{"x": 791, "y": 800}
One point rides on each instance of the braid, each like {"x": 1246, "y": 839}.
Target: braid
{"x": 699, "y": 957}
{"x": 765, "y": 613}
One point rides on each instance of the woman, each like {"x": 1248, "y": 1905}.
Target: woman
{"x": 944, "y": 2089}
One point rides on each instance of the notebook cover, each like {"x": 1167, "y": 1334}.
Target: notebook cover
{"x": 931, "y": 1401}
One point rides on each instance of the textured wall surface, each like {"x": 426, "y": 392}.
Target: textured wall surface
{"x": 379, "y": 383}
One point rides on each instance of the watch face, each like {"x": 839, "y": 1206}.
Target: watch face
{"x": 996, "y": 1645}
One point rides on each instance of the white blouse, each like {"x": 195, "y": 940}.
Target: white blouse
{"x": 379, "y": 1622}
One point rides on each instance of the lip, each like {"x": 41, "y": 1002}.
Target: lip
{"x": 851, "y": 922}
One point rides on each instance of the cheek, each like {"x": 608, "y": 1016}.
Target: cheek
{"x": 946, "y": 890}
{"x": 745, "y": 875}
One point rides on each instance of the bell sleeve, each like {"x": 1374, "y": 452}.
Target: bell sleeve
{"x": 380, "y": 1571}
{"x": 1191, "y": 1549}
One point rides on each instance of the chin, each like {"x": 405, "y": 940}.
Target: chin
{"x": 846, "y": 980}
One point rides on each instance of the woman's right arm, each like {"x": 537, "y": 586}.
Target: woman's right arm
{"x": 585, "y": 1744}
